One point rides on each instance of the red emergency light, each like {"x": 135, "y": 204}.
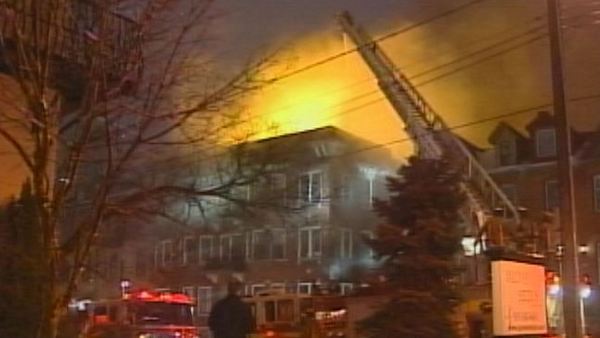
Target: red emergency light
{"x": 165, "y": 297}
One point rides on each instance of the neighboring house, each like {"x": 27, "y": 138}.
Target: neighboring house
{"x": 524, "y": 166}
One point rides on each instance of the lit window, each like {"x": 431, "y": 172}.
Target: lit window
{"x": 309, "y": 243}
{"x": 597, "y": 193}
{"x": 552, "y": 196}
{"x": 545, "y": 141}
{"x": 310, "y": 187}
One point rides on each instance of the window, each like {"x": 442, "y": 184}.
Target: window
{"x": 278, "y": 244}
{"x": 507, "y": 151}
{"x": 204, "y": 299}
{"x": 257, "y": 288}
{"x": 597, "y": 193}
{"x": 189, "y": 291}
{"x": 206, "y": 247}
{"x": 552, "y": 196}
{"x": 310, "y": 187}
{"x": 545, "y": 142}
{"x": 167, "y": 252}
{"x": 233, "y": 247}
{"x": 346, "y": 288}
{"x": 309, "y": 243}
{"x": 305, "y": 288}
{"x": 190, "y": 250}
{"x": 346, "y": 243}
{"x": 285, "y": 310}
{"x": 260, "y": 245}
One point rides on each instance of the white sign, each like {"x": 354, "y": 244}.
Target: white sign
{"x": 519, "y": 298}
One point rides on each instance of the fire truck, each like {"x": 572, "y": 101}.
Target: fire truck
{"x": 142, "y": 314}
{"x": 291, "y": 315}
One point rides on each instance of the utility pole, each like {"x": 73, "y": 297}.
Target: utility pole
{"x": 571, "y": 302}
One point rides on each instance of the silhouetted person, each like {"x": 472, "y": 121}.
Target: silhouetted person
{"x": 230, "y": 317}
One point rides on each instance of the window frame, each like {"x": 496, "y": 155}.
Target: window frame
{"x": 164, "y": 244}
{"x": 211, "y": 251}
{"x": 283, "y": 233}
{"x": 510, "y": 145}
{"x": 538, "y": 144}
{"x": 346, "y": 237}
{"x": 310, "y": 198}
{"x": 185, "y": 250}
{"x": 311, "y": 253}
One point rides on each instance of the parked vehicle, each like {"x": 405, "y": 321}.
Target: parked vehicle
{"x": 285, "y": 315}
{"x": 143, "y": 314}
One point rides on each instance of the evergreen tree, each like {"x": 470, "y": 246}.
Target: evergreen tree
{"x": 417, "y": 244}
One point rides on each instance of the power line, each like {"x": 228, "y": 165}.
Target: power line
{"x": 382, "y": 38}
{"x": 450, "y": 128}
{"x": 471, "y": 64}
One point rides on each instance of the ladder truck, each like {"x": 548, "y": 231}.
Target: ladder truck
{"x": 487, "y": 209}
{"x": 430, "y": 134}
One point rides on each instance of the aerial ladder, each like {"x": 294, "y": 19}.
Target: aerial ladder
{"x": 431, "y": 135}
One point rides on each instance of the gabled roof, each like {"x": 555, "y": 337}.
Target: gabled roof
{"x": 502, "y": 126}
{"x": 543, "y": 119}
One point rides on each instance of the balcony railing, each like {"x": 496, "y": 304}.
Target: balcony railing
{"x": 73, "y": 31}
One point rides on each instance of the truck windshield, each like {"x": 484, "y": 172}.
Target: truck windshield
{"x": 157, "y": 313}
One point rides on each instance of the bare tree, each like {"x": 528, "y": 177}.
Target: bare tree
{"x": 102, "y": 107}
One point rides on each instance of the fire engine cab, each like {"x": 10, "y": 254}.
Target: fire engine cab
{"x": 142, "y": 314}
{"x": 291, "y": 315}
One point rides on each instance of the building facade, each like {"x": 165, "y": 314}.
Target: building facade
{"x": 301, "y": 226}
{"x": 523, "y": 164}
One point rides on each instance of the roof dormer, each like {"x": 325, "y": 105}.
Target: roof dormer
{"x": 543, "y": 133}
{"x": 506, "y": 141}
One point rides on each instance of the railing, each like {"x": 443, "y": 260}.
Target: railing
{"x": 431, "y": 134}
{"x": 73, "y": 31}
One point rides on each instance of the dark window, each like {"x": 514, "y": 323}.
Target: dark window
{"x": 270, "y": 311}
{"x": 206, "y": 247}
{"x": 190, "y": 250}
{"x": 507, "y": 152}
{"x": 260, "y": 244}
{"x": 278, "y": 244}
